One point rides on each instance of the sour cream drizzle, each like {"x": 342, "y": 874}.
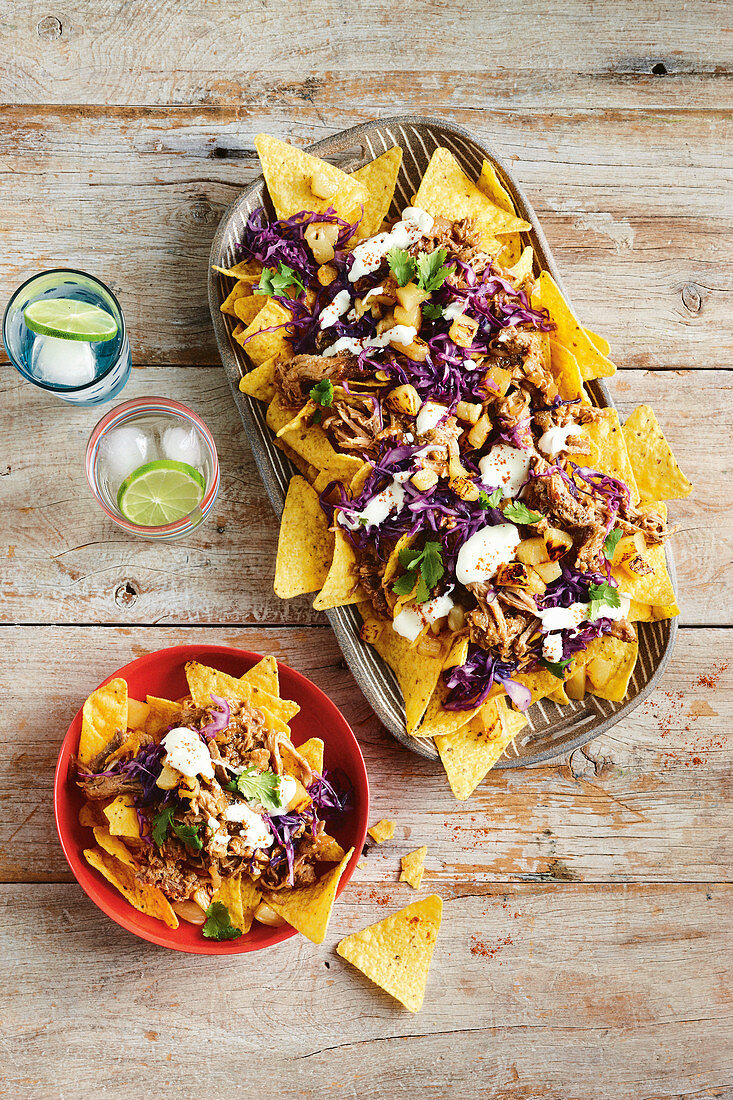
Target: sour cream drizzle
{"x": 370, "y": 255}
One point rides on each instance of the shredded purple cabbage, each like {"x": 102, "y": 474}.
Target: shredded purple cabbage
{"x": 469, "y": 684}
{"x": 146, "y": 766}
{"x": 218, "y": 721}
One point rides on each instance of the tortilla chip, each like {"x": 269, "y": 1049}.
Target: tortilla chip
{"x": 205, "y": 682}
{"x": 341, "y": 586}
{"x": 511, "y": 253}
{"x": 539, "y": 681}
{"x": 312, "y": 444}
{"x": 613, "y": 458}
{"x": 129, "y": 747}
{"x": 396, "y": 952}
{"x": 383, "y": 830}
{"x": 261, "y": 345}
{"x": 468, "y": 752}
{"x": 304, "y": 468}
{"x": 146, "y": 899}
{"x": 416, "y": 675}
{"x": 264, "y": 675}
{"x": 329, "y": 850}
{"x": 122, "y": 817}
{"x": 653, "y": 588}
{"x": 239, "y": 292}
{"x": 380, "y": 179}
{"x": 260, "y": 382}
{"x": 438, "y": 720}
{"x": 521, "y": 269}
{"x": 113, "y": 846}
{"x": 620, "y": 657}
{"x": 305, "y": 545}
{"x": 446, "y": 191}
{"x": 91, "y": 814}
{"x": 312, "y": 751}
{"x": 412, "y": 867}
{"x": 657, "y": 474}
{"x": 246, "y": 309}
{"x": 458, "y": 654}
{"x": 243, "y": 270}
{"x": 163, "y": 714}
{"x": 647, "y": 613}
{"x": 229, "y": 893}
{"x": 249, "y": 899}
{"x": 288, "y": 173}
{"x": 104, "y": 715}
{"x": 569, "y": 331}
{"x": 308, "y": 908}
{"x": 566, "y": 372}
{"x": 599, "y": 342}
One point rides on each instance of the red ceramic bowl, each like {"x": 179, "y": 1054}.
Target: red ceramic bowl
{"x": 162, "y": 674}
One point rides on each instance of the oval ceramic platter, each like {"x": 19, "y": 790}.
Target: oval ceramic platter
{"x": 552, "y": 729}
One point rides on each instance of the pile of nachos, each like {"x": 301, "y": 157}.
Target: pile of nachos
{"x": 499, "y": 532}
{"x": 203, "y": 810}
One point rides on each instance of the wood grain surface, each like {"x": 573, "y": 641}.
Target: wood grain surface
{"x": 586, "y": 943}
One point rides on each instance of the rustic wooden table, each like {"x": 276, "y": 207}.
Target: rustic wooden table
{"x": 585, "y": 949}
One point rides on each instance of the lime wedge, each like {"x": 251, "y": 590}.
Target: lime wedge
{"x": 160, "y": 492}
{"x": 69, "y": 320}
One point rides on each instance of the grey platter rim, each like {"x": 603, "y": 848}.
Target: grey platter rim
{"x": 273, "y": 467}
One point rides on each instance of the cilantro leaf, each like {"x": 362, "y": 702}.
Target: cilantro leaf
{"x": 262, "y": 787}
{"x": 408, "y": 557}
{"x": 189, "y": 834}
{"x": 322, "y": 392}
{"x": 432, "y": 269}
{"x": 279, "y": 281}
{"x": 431, "y": 566}
{"x": 432, "y": 311}
{"x": 520, "y": 513}
{"x": 404, "y": 585}
{"x": 401, "y": 264}
{"x": 422, "y": 592}
{"x": 161, "y": 824}
{"x": 318, "y": 417}
{"x": 218, "y": 925}
{"x": 612, "y": 540}
{"x": 602, "y": 595}
{"x": 556, "y": 667}
{"x": 490, "y": 500}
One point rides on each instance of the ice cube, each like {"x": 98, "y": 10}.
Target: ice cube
{"x": 124, "y": 450}
{"x": 181, "y": 444}
{"x": 62, "y": 362}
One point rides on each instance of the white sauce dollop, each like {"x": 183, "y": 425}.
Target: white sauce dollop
{"x": 555, "y": 439}
{"x": 413, "y": 618}
{"x": 335, "y": 309}
{"x": 482, "y": 554}
{"x": 398, "y": 334}
{"x": 430, "y": 415}
{"x": 455, "y": 309}
{"x": 505, "y": 467}
{"x": 375, "y": 511}
{"x": 186, "y": 752}
{"x": 570, "y": 618}
{"x": 286, "y": 791}
{"x": 370, "y": 255}
{"x": 254, "y": 832}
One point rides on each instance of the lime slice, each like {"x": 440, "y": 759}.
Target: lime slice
{"x": 69, "y": 320}
{"x": 160, "y": 492}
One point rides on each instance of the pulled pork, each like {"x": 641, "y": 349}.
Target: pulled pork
{"x": 296, "y": 377}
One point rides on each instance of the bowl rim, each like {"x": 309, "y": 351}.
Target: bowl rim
{"x": 106, "y": 897}
{"x": 589, "y": 727}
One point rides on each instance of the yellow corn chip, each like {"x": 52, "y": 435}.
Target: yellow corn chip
{"x": 122, "y": 817}
{"x": 146, "y": 899}
{"x": 312, "y": 444}
{"x": 511, "y": 253}
{"x": 229, "y": 893}
{"x": 396, "y": 952}
{"x": 288, "y": 174}
{"x": 341, "y": 586}
{"x": 458, "y": 652}
{"x": 304, "y": 468}
{"x": 609, "y": 663}
{"x": 380, "y": 179}
{"x": 305, "y": 545}
{"x": 113, "y": 846}
{"x": 91, "y": 814}
{"x": 569, "y": 332}
{"x": 308, "y": 908}
{"x": 104, "y": 715}
{"x": 329, "y": 850}
{"x": 468, "y": 752}
{"x": 240, "y": 292}
{"x": 613, "y": 458}
{"x": 243, "y": 270}
{"x": 653, "y": 588}
{"x": 250, "y": 898}
{"x": 264, "y": 675}
{"x": 163, "y": 714}
{"x": 383, "y": 830}
{"x": 600, "y": 342}
{"x": 246, "y": 309}
{"x": 129, "y": 747}
{"x": 266, "y": 345}
{"x": 446, "y": 191}
{"x": 438, "y": 720}
{"x": 412, "y": 867}
{"x": 205, "y": 682}
{"x": 566, "y": 372}
{"x": 647, "y": 613}
{"x": 137, "y": 714}
{"x": 417, "y": 675}
{"x": 657, "y": 473}
{"x": 260, "y": 382}
{"x": 522, "y": 267}
{"x": 540, "y": 682}
{"x": 312, "y": 751}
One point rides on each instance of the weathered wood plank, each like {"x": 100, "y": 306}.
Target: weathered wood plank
{"x": 633, "y": 205}
{"x": 650, "y": 801}
{"x": 161, "y": 53}
{"x": 66, "y": 562}
{"x": 560, "y": 992}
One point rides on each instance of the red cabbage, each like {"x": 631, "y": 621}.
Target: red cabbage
{"x": 219, "y": 721}
{"x": 469, "y": 684}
